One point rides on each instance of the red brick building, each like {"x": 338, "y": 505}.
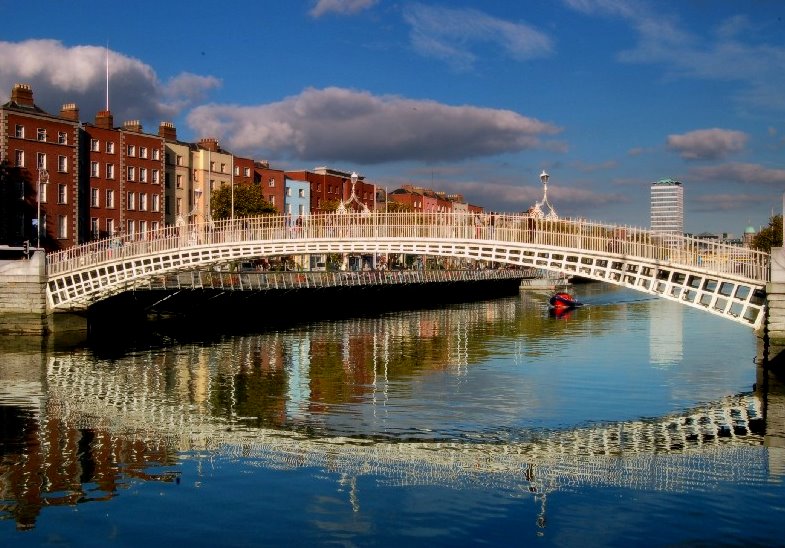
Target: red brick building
{"x": 333, "y": 186}
{"x": 40, "y": 149}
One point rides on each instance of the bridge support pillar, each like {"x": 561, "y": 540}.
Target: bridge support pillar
{"x": 23, "y": 308}
{"x": 773, "y": 331}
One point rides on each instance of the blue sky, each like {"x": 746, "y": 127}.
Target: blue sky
{"x": 469, "y": 97}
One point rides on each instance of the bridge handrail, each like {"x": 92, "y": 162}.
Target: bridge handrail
{"x": 485, "y": 229}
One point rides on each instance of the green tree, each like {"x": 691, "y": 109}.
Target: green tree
{"x": 769, "y": 237}
{"x": 248, "y": 202}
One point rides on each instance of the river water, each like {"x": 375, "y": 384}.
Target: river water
{"x": 631, "y": 420}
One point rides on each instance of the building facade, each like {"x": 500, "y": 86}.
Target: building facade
{"x": 667, "y": 207}
{"x": 41, "y": 155}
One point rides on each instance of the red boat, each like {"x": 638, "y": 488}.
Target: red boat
{"x": 563, "y": 301}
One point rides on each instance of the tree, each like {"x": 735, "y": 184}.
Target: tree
{"x": 397, "y": 207}
{"x": 248, "y": 202}
{"x": 769, "y": 237}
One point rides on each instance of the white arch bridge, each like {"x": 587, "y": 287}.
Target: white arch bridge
{"x": 721, "y": 279}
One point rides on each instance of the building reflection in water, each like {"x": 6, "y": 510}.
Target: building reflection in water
{"x": 78, "y": 428}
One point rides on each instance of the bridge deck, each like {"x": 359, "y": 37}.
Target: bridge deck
{"x": 722, "y": 279}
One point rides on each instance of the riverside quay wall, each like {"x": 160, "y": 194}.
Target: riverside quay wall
{"x": 23, "y": 308}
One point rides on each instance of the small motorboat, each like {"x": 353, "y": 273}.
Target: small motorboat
{"x": 563, "y": 300}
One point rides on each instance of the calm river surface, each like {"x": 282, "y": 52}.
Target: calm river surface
{"x": 633, "y": 421}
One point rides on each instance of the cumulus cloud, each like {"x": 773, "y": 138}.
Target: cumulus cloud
{"x": 337, "y": 124}
{"x": 707, "y": 144}
{"x": 742, "y": 173}
{"x": 322, "y": 7}
{"x": 451, "y": 34}
{"x": 59, "y": 74}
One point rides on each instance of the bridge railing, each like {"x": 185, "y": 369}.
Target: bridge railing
{"x": 461, "y": 227}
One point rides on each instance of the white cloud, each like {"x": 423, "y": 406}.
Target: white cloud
{"x": 337, "y": 124}
{"x": 451, "y": 34}
{"x": 707, "y": 144}
{"x": 322, "y": 7}
{"x": 59, "y": 74}
{"x": 740, "y": 173}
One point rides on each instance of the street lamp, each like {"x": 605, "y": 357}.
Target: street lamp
{"x": 43, "y": 177}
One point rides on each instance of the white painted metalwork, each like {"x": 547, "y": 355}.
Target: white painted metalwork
{"x": 722, "y": 279}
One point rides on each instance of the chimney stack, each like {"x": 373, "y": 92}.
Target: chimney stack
{"x": 167, "y": 131}
{"x": 22, "y": 95}
{"x": 104, "y": 119}
{"x": 133, "y": 125}
{"x": 209, "y": 143}
{"x": 70, "y": 111}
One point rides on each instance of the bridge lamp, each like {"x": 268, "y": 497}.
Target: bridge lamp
{"x": 43, "y": 177}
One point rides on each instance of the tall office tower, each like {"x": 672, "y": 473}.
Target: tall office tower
{"x": 667, "y": 208}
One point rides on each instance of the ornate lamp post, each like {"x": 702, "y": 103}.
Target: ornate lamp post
{"x": 43, "y": 178}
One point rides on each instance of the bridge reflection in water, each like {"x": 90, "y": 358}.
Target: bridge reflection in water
{"x": 98, "y": 422}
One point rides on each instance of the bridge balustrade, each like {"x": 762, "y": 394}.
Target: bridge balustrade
{"x": 497, "y": 229}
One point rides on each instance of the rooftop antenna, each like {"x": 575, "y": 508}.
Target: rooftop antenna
{"x": 107, "y": 76}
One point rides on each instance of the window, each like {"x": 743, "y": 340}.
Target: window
{"x": 110, "y": 147}
{"x": 42, "y": 134}
{"x": 156, "y": 154}
{"x": 142, "y": 201}
{"x": 44, "y": 188}
{"x": 196, "y": 176}
{"x": 212, "y": 185}
{"x": 131, "y": 201}
{"x": 289, "y": 209}
{"x": 179, "y": 181}
{"x": 301, "y": 210}
{"x": 94, "y": 169}
{"x": 131, "y": 150}
{"x": 271, "y": 199}
{"x": 19, "y": 157}
{"x": 178, "y": 206}
{"x": 62, "y": 226}
{"x": 237, "y": 170}
{"x": 62, "y": 138}
{"x": 131, "y": 228}
{"x": 41, "y": 160}
{"x": 95, "y": 200}
{"x": 223, "y": 168}
{"x": 110, "y": 226}
{"x": 62, "y": 164}
{"x": 179, "y": 160}
{"x": 212, "y": 165}
{"x": 247, "y": 171}
{"x": 301, "y": 193}
{"x": 142, "y": 174}
{"x": 156, "y": 202}
{"x": 95, "y": 145}
{"x": 19, "y": 131}
{"x": 288, "y": 191}
{"x": 154, "y": 226}
{"x": 271, "y": 183}
{"x": 110, "y": 171}
{"x": 94, "y": 228}
{"x": 142, "y": 228}
{"x": 143, "y": 152}
{"x": 110, "y": 199}
{"x": 155, "y": 178}
{"x": 131, "y": 173}
{"x": 62, "y": 194}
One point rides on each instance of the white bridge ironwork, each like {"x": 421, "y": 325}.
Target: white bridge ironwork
{"x": 722, "y": 279}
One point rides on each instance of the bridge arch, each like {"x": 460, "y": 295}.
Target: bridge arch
{"x": 724, "y": 280}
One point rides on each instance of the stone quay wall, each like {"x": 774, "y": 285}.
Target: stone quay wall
{"x": 23, "y": 308}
